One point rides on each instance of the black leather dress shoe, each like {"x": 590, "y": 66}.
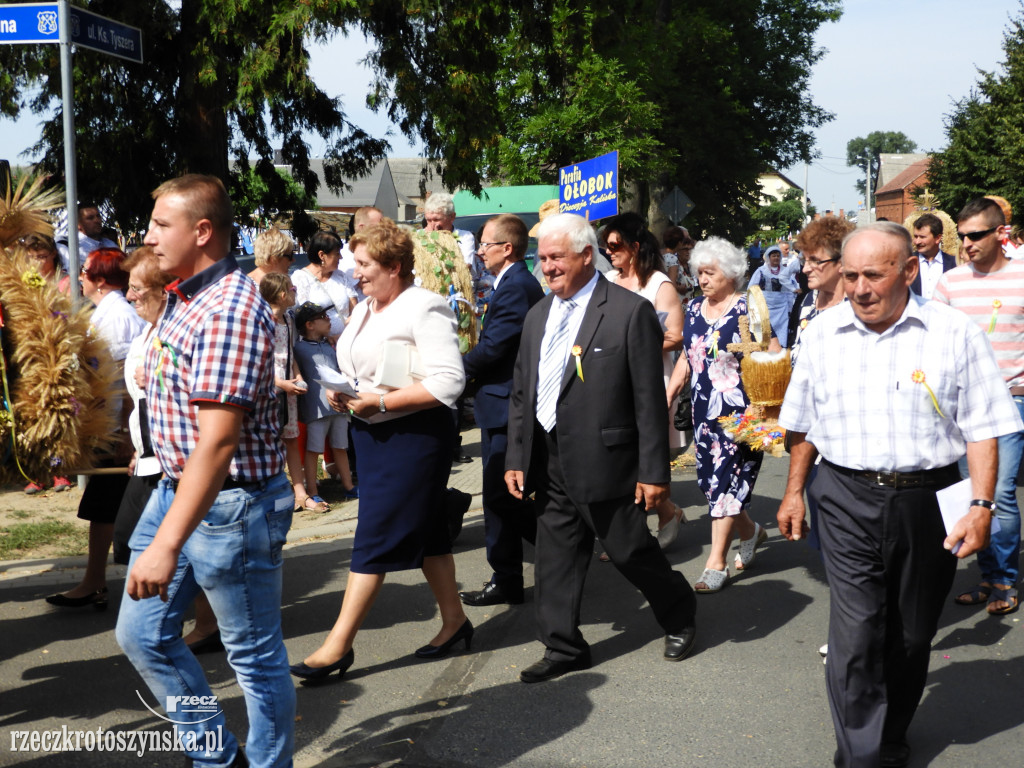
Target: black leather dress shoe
{"x": 678, "y": 647}
{"x": 491, "y": 594}
{"x": 548, "y": 669}
{"x": 894, "y": 754}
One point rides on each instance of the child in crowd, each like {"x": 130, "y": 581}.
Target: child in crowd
{"x": 279, "y": 293}
{"x": 312, "y": 349}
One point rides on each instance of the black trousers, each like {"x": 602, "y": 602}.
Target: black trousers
{"x": 507, "y": 520}
{"x": 565, "y": 548}
{"x": 889, "y": 577}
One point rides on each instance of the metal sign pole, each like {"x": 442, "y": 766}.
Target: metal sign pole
{"x": 70, "y": 176}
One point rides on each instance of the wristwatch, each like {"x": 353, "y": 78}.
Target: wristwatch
{"x": 989, "y": 505}
{"x": 380, "y": 404}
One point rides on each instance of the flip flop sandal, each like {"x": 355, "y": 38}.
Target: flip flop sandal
{"x": 711, "y": 581}
{"x": 980, "y": 594}
{"x": 748, "y": 548}
{"x": 1006, "y": 596}
{"x": 319, "y": 505}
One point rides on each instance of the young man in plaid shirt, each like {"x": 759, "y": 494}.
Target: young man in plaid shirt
{"x": 219, "y": 517}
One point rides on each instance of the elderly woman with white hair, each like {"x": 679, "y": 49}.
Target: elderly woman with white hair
{"x": 726, "y": 471}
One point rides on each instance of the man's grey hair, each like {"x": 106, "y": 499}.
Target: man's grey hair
{"x": 732, "y": 261}
{"x": 900, "y": 233}
{"x": 573, "y": 226}
{"x": 440, "y": 202}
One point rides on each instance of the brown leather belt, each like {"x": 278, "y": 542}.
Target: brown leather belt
{"x": 921, "y": 479}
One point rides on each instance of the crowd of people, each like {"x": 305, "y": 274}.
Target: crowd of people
{"x": 577, "y": 378}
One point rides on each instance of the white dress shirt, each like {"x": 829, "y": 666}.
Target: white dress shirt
{"x": 581, "y": 298}
{"x": 853, "y": 390}
{"x": 931, "y": 271}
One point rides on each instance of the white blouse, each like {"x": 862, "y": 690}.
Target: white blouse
{"x": 333, "y": 293}
{"x": 416, "y": 316}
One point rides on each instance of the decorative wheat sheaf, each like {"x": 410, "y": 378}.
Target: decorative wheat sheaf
{"x": 441, "y": 268}
{"x": 57, "y": 378}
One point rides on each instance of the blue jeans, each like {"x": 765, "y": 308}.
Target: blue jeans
{"x": 999, "y": 562}
{"x": 235, "y": 557}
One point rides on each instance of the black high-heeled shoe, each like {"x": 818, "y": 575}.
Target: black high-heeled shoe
{"x": 465, "y": 632}
{"x": 209, "y": 644}
{"x": 320, "y": 674}
{"x": 97, "y": 599}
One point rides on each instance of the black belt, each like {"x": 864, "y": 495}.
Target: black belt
{"x": 920, "y": 479}
{"x": 229, "y": 483}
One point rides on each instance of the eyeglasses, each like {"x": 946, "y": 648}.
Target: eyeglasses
{"x": 482, "y": 246}
{"x": 137, "y": 290}
{"x": 976, "y": 236}
{"x": 819, "y": 263}
{"x": 615, "y": 247}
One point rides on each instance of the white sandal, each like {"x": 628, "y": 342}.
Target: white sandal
{"x": 748, "y": 548}
{"x": 711, "y": 581}
{"x": 667, "y": 534}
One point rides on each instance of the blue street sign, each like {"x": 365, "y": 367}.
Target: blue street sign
{"x": 90, "y": 30}
{"x": 590, "y": 188}
{"x": 29, "y": 23}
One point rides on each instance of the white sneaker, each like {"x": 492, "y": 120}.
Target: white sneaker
{"x": 824, "y": 653}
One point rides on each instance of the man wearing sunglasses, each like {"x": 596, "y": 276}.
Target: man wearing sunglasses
{"x": 990, "y": 290}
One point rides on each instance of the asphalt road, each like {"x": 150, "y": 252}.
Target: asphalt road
{"x": 752, "y": 694}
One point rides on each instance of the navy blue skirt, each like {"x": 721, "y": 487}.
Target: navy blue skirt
{"x": 403, "y": 467}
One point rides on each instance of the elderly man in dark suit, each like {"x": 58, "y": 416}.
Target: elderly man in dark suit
{"x": 932, "y": 261}
{"x": 587, "y": 433}
{"x": 489, "y": 367}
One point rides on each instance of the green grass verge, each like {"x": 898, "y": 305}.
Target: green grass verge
{"x": 18, "y": 538}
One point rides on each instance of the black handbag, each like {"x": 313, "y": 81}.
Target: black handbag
{"x": 683, "y": 420}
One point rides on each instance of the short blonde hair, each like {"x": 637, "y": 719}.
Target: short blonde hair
{"x": 271, "y": 246}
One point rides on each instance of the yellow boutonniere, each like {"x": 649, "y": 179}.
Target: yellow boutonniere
{"x": 576, "y": 352}
{"x": 918, "y": 378}
{"x": 996, "y": 304}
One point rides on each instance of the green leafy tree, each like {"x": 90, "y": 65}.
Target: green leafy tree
{"x": 985, "y": 154}
{"x": 698, "y": 93}
{"x": 868, "y": 148}
{"x": 780, "y": 217}
{"x": 220, "y": 81}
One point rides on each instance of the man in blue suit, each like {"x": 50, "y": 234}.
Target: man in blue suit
{"x": 489, "y": 368}
{"x": 931, "y": 260}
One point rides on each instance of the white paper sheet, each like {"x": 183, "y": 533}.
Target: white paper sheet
{"x": 331, "y": 380}
{"x": 954, "y": 503}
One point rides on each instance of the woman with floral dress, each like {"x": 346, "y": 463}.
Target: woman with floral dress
{"x": 726, "y": 471}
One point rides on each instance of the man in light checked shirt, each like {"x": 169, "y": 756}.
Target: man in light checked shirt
{"x": 891, "y": 391}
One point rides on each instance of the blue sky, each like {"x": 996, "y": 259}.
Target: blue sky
{"x": 892, "y": 65}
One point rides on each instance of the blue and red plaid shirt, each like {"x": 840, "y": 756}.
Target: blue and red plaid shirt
{"x": 214, "y": 344}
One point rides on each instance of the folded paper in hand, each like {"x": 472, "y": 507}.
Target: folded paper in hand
{"x": 954, "y": 503}
{"x": 399, "y": 365}
{"x": 333, "y": 381}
